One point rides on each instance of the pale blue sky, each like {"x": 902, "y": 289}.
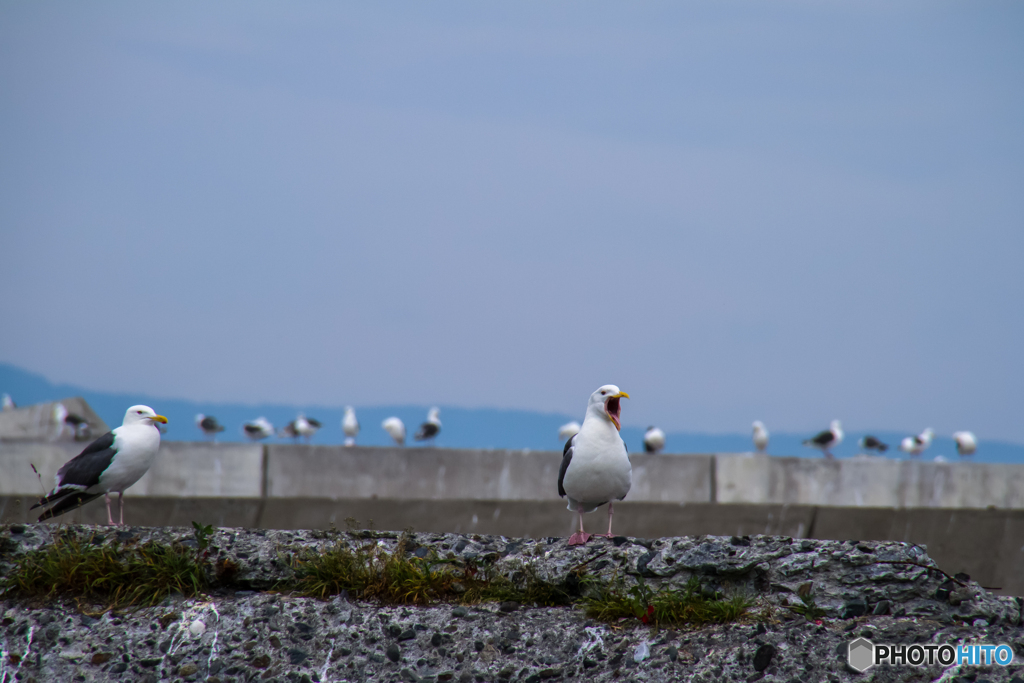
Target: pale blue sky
{"x": 790, "y": 212}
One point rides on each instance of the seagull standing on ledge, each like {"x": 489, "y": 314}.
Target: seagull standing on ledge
{"x": 258, "y": 429}
{"x": 209, "y": 426}
{"x": 595, "y": 465}
{"x": 760, "y": 436}
{"x": 64, "y": 419}
{"x": 350, "y": 425}
{"x": 395, "y": 429}
{"x": 431, "y": 428}
{"x": 966, "y": 443}
{"x": 568, "y": 430}
{"x": 111, "y": 463}
{"x": 826, "y": 441}
{"x": 870, "y": 443}
{"x": 306, "y": 426}
{"x": 288, "y": 432}
{"x": 7, "y": 403}
{"x": 654, "y": 440}
{"x": 916, "y": 445}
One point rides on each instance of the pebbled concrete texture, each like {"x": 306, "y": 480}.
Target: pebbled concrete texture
{"x": 245, "y": 631}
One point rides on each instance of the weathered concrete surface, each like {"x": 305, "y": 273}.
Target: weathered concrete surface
{"x": 867, "y": 482}
{"x": 983, "y": 543}
{"x": 246, "y": 635}
{"x": 36, "y": 423}
{"x": 295, "y": 471}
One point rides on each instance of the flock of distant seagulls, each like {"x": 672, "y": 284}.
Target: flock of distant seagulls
{"x": 654, "y": 438}
{"x": 303, "y": 427}
{"x": 595, "y": 468}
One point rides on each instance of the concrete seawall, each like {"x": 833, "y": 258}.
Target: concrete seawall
{"x": 300, "y": 471}
{"x": 971, "y": 516}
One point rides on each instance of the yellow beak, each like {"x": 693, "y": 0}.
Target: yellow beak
{"x": 159, "y": 418}
{"x": 622, "y": 394}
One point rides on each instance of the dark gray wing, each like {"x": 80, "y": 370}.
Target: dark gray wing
{"x": 566, "y": 459}
{"x": 427, "y": 430}
{"x": 822, "y": 438}
{"x": 83, "y": 470}
{"x": 210, "y": 424}
{"x": 315, "y": 423}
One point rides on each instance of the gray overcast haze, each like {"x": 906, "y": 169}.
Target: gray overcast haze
{"x": 734, "y": 210}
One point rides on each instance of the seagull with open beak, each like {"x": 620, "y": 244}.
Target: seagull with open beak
{"x": 595, "y": 465}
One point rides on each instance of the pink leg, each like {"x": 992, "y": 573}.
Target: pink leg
{"x": 610, "y": 513}
{"x": 120, "y": 504}
{"x": 110, "y": 517}
{"x": 581, "y": 536}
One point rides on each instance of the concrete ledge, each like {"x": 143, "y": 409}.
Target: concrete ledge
{"x": 867, "y": 482}
{"x": 435, "y": 474}
{"x": 197, "y": 470}
{"x": 154, "y": 511}
{"x": 17, "y": 458}
{"x": 334, "y": 472}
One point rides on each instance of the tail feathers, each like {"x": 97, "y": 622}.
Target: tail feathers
{"x": 76, "y": 500}
{"x": 57, "y": 494}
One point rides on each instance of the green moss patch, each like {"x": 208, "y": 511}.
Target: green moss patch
{"x": 88, "y": 570}
{"x": 666, "y": 607}
{"x": 118, "y": 575}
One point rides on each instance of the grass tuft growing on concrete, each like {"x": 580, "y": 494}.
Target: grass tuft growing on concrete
{"x": 82, "y": 568}
{"x": 666, "y": 607}
{"x": 370, "y": 572}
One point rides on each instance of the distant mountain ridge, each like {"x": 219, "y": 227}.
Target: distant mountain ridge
{"x": 462, "y": 427}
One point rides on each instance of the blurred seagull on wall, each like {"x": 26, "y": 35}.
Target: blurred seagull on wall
{"x": 916, "y": 445}
{"x": 258, "y": 429}
{"x": 595, "y": 465}
{"x": 110, "y": 464}
{"x": 306, "y": 427}
{"x": 395, "y": 429}
{"x": 827, "y": 440}
{"x": 7, "y": 403}
{"x": 350, "y": 425}
{"x": 870, "y": 443}
{"x": 568, "y": 430}
{"x": 431, "y": 428}
{"x": 67, "y": 420}
{"x": 209, "y": 426}
{"x": 966, "y": 443}
{"x": 288, "y": 431}
{"x": 654, "y": 440}
{"x": 760, "y": 437}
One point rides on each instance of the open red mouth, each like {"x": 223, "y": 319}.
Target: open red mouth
{"x": 612, "y": 406}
